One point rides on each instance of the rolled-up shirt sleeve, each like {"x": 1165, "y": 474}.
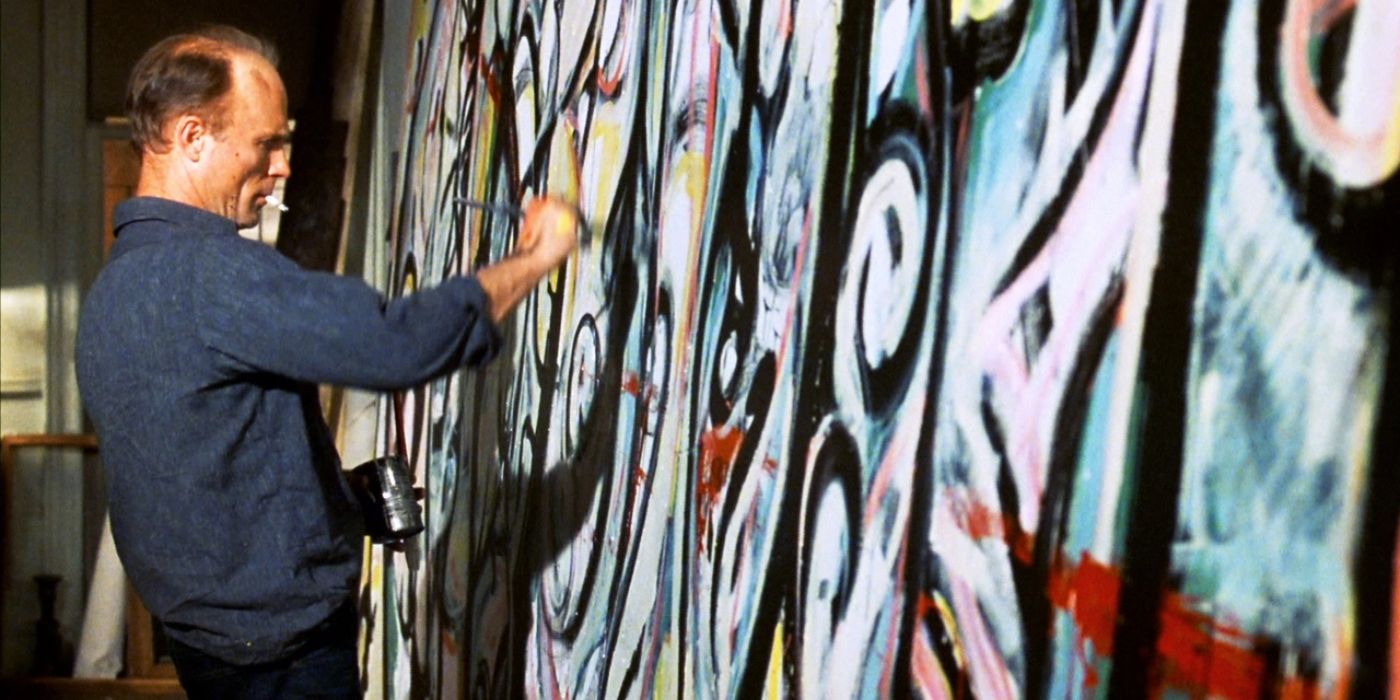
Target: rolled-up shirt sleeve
{"x": 263, "y": 313}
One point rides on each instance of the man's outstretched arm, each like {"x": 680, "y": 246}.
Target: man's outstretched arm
{"x": 261, "y": 312}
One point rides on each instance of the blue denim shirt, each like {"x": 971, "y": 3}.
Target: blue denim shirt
{"x": 198, "y": 356}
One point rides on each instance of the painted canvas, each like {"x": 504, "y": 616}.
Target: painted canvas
{"x": 918, "y": 348}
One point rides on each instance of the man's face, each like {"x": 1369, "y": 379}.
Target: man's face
{"x": 248, "y": 154}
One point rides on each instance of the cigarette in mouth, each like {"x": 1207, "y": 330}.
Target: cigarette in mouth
{"x": 274, "y": 201}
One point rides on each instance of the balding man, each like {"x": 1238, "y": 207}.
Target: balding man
{"x": 199, "y": 355}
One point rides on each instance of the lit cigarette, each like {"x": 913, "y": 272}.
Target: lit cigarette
{"x": 274, "y": 201}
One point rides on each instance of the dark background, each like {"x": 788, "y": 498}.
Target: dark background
{"x": 119, "y": 31}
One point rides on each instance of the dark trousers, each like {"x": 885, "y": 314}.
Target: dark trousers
{"x": 324, "y": 668}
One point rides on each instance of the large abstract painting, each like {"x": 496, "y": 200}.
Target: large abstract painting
{"x": 919, "y": 348}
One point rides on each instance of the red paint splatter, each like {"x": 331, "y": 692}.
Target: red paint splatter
{"x": 982, "y": 521}
{"x": 1089, "y": 593}
{"x": 449, "y": 645}
{"x": 718, "y": 448}
{"x": 927, "y": 604}
{"x": 1096, "y": 587}
{"x": 1202, "y": 655}
{"x": 609, "y": 83}
{"x": 639, "y": 477}
{"x": 493, "y": 85}
{"x": 1022, "y": 543}
{"x": 1300, "y": 689}
{"x": 1206, "y": 656}
{"x": 923, "y": 82}
{"x": 632, "y": 383}
{"x": 770, "y": 465}
{"x": 1197, "y": 653}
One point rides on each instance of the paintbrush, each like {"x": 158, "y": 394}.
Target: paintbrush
{"x": 585, "y": 232}
{"x": 505, "y": 210}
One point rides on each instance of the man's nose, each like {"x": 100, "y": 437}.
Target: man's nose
{"x": 281, "y": 166}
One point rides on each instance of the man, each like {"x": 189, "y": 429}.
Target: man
{"x": 198, "y": 357}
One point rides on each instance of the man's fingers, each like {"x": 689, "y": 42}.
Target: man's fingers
{"x": 547, "y": 216}
{"x": 565, "y": 221}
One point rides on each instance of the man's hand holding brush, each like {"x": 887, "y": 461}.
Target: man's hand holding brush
{"x": 548, "y": 235}
{"x": 552, "y": 226}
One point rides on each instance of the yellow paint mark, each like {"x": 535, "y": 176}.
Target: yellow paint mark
{"x": 689, "y": 175}
{"x": 608, "y": 144}
{"x": 562, "y": 182}
{"x": 960, "y": 11}
{"x": 665, "y": 686}
{"x": 692, "y": 172}
{"x": 983, "y": 10}
{"x": 950, "y": 623}
{"x": 957, "y": 12}
{"x": 774, "y": 691}
{"x": 485, "y": 143}
{"x": 562, "y": 178}
{"x": 1390, "y": 145}
{"x": 422, "y": 16}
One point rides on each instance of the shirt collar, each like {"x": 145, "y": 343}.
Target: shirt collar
{"x": 139, "y": 209}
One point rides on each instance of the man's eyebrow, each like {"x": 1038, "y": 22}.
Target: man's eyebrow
{"x": 277, "y": 139}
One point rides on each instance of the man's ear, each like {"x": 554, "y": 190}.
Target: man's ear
{"x": 190, "y": 135}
